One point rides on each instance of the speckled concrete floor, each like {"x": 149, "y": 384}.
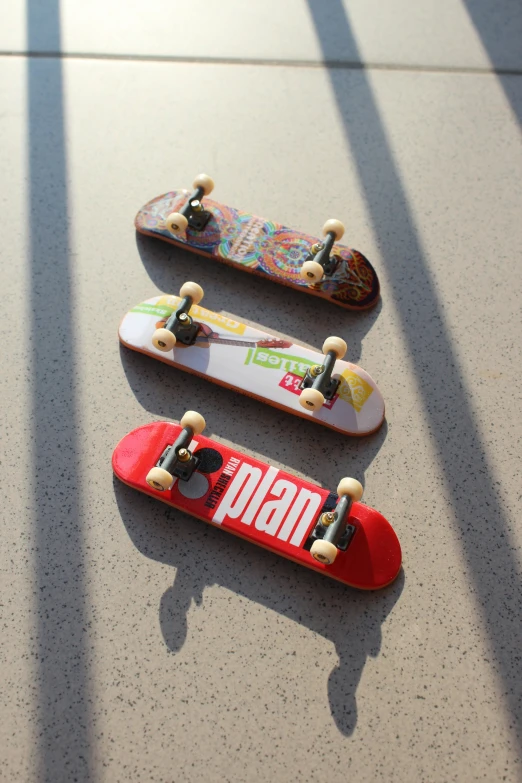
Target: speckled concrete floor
{"x": 137, "y": 643}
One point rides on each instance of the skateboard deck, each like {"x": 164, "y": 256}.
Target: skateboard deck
{"x": 262, "y": 504}
{"x": 264, "y": 248}
{"x": 257, "y": 364}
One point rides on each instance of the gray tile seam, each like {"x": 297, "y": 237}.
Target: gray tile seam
{"x": 317, "y": 64}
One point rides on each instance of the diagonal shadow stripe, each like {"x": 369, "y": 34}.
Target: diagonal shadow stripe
{"x": 500, "y": 30}
{"x": 63, "y": 708}
{"x": 484, "y": 528}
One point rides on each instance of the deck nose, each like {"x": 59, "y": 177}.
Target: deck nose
{"x": 140, "y": 449}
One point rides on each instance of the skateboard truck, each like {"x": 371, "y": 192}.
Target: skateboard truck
{"x": 318, "y": 384}
{"x": 332, "y": 532}
{"x": 177, "y": 461}
{"x": 180, "y": 327}
{"x": 319, "y": 262}
{"x": 192, "y": 213}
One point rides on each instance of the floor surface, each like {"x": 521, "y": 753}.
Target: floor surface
{"x": 138, "y": 643}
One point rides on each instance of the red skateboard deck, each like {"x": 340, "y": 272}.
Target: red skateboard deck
{"x": 261, "y": 504}
{"x": 264, "y": 248}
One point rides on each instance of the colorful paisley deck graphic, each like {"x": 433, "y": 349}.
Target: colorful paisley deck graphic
{"x": 266, "y": 247}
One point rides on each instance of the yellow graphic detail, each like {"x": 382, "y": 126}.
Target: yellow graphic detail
{"x": 354, "y": 389}
{"x": 202, "y": 313}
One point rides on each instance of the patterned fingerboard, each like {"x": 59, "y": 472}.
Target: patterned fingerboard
{"x": 265, "y": 248}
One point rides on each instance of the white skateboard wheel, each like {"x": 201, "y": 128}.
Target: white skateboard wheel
{"x": 159, "y": 479}
{"x": 324, "y": 551}
{"x": 311, "y": 399}
{"x": 205, "y": 182}
{"x": 312, "y": 271}
{"x": 193, "y": 420}
{"x": 193, "y": 290}
{"x": 335, "y": 344}
{"x": 351, "y": 487}
{"x": 163, "y": 340}
{"x": 176, "y": 223}
{"x": 334, "y": 226}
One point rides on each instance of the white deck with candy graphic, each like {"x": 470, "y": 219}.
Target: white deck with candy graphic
{"x": 256, "y": 363}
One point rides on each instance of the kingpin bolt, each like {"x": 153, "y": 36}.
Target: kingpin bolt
{"x": 327, "y": 518}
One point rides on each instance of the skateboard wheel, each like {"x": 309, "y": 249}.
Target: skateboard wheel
{"x": 163, "y": 340}
{"x": 324, "y": 551}
{"x": 351, "y": 487}
{"x": 205, "y": 182}
{"x": 335, "y": 344}
{"x": 334, "y": 226}
{"x": 312, "y": 272}
{"x": 193, "y": 420}
{"x": 176, "y": 223}
{"x": 159, "y": 479}
{"x": 193, "y": 290}
{"x": 311, "y": 399}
